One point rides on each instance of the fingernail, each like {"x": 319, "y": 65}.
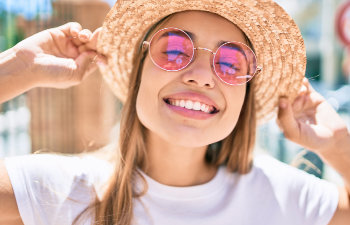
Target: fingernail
{"x": 75, "y": 31}
{"x": 83, "y": 36}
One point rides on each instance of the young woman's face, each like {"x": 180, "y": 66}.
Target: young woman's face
{"x": 195, "y": 83}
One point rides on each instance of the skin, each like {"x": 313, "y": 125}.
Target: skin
{"x": 177, "y": 144}
{"x": 68, "y": 51}
{"x": 304, "y": 120}
{"x": 59, "y": 57}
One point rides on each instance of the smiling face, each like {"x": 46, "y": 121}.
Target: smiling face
{"x": 214, "y": 106}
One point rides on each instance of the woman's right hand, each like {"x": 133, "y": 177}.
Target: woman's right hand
{"x": 59, "y": 57}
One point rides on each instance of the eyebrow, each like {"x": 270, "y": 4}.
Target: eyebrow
{"x": 194, "y": 37}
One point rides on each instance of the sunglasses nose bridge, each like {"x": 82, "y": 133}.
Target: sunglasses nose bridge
{"x": 205, "y": 49}
{"x": 208, "y": 50}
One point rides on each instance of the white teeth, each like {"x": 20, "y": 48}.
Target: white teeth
{"x": 207, "y": 108}
{"x": 182, "y": 103}
{"x": 203, "y": 107}
{"x": 188, "y": 104}
{"x": 197, "y": 106}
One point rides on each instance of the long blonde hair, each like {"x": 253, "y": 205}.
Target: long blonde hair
{"x": 235, "y": 151}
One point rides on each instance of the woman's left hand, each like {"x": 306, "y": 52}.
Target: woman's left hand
{"x": 312, "y": 122}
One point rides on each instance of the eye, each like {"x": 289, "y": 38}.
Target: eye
{"x": 228, "y": 65}
{"x": 175, "y": 52}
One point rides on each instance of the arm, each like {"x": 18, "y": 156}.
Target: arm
{"x": 59, "y": 57}
{"x": 11, "y": 80}
{"x": 311, "y": 122}
{"x": 339, "y": 159}
{"x": 9, "y": 214}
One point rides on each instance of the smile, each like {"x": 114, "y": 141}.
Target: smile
{"x": 192, "y": 105}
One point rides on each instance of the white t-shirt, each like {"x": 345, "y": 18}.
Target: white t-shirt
{"x": 53, "y": 190}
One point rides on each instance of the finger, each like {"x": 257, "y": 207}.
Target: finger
{"x": 279, "y": 124}
{"x": 92, "y": 44}
{"x": 303, "y": 89}
{"x": 286, "y": 119}
{"x": 64, "y": 46}
{"x": 101, "y": 61}
{"x": 299, "y": 101}
{"x": 298, "y": 104}
{"x": 308, "y": 85}
{"x": 72, "y": 30}
{"x": 98, "y": 62}
{"x": 76, "y": 41}
{"x": 84, "y": 35}
{"x": 305, "y": 80}
{"x": 83, "y": 48}
{"x": 83, "y": 62}
{"x": 75, "y": 28}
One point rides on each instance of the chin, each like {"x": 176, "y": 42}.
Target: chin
{"x": 189, "y": 140}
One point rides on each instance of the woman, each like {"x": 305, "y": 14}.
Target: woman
{"x": 193, "y": 91}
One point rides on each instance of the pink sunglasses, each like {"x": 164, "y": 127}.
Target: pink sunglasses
{"x": 172, "y": 49}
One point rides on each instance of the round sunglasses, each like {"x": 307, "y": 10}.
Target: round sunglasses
{"x": 172, "y": 49}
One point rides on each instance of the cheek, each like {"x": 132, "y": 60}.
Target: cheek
{"x": 147, "y": 102}
{"x": 235, "y": 100}
{"x": 145, "y": 99}
{"x": 145, "y": 105}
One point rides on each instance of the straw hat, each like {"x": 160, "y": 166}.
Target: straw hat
{"x": 277, "y": 41}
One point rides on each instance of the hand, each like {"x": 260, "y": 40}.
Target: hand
{"x": 311, "y": 122}
{"x": 59, "y": 57}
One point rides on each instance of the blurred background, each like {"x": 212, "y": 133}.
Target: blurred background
{"x": 71, "y": 120}
{"x": 82, "y": 118}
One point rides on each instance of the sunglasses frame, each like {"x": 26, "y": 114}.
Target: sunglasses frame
{"x": 148, "y": 44}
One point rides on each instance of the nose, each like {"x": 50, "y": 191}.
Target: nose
{"x": 200, "y": 72}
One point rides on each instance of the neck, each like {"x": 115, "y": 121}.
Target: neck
{"x": 175, "y": 165}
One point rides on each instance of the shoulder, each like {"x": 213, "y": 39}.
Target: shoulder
{"x": 302, "y": 196}
{"x": 282, "y": 176}
{"x": 267, "y": 166}
{"x": 59, "y": 170}
{"x": 279, "y": 172}
{"x": 47, "y": 185}
{"x": 54, "y": 167}
{"x": 278, "y": 193}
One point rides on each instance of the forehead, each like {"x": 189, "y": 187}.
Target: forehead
{"x": 208, "y": 28}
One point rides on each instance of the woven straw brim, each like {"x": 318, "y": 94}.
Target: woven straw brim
{"x": 277, "y": 41}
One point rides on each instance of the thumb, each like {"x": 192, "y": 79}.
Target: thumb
{"x": 101, "y": 61}
{"x": 84, "y": 63}
{"x": 92, "y": 44}
{"x": 286, "y": 120}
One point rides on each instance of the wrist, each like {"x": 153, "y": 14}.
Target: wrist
{"x": 341, "y": 146}
{"x": 14, "y": 77}
{"x": 15, "y": 65}
{"x": 7, "y": 59}
{"x": 339, "y": 158}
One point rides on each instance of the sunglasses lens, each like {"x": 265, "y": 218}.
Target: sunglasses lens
{"x": 235, "y": 63}
{"x": 171, "y": 49}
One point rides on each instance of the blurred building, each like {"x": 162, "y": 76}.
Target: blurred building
{"x": 78, "y": 118}
{"x": 316, "y": 20}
